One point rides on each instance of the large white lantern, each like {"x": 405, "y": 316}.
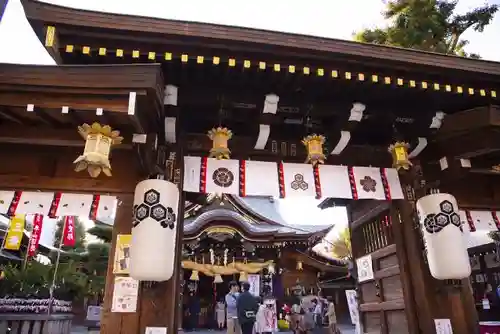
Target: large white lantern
{"x": 153, "y": 246}
{"x": 442, "y": 231}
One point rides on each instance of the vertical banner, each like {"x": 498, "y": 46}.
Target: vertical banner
{"x": 270, "y": 316}
{"x": 15, "y": 233}
{"x": 35, "y": 234}
{"x": 69, "y": 231}
{"x": 254, "y": 281}
{"x": 122, "y": 254}
{"x": 352, "y": 303}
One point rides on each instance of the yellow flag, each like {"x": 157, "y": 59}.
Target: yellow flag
{"x": 15, "y": 234}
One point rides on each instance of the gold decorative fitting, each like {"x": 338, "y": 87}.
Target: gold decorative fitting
{"x": 98, "y": 142}
{"x": 496, "y": 168}
{"x": 219, "y": 137}
{"x": 399, "y": 152}
{"x": 299, "y": 265}
{"x": 314, "y": 145}
{"x": 194, "y": 276}
{"x": 243, "y": 277}
{"x": 218, "y": 279}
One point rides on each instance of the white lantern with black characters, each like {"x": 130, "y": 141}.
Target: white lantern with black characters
{"x": 442, "y": 232}
{"x": 154, "y": 235}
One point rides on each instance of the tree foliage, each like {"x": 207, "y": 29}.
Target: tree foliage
{"x": 428, "y": 25}
{"x": 341, "y": 247}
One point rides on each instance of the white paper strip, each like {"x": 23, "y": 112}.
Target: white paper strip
{"x": 298, "y": 180}
{"x": 368, "y": 183}
{"x": 335, "y": 181}
{"x": 222, "y": 176}
{"x": 74, "y": 205}
{"x": 255, "y": 170}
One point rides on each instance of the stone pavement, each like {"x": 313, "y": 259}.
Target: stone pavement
{"x": 345, "y": 329}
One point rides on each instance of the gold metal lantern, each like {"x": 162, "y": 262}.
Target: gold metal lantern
{"x": 98, "y": 142}
{"x": 314, "y": 145}
{"x": 220, "y": 137}
{"x": 399, "y": 152}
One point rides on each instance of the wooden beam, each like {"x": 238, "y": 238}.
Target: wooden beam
{"x": 45, "y": 136}
{"x": 471, "y": 119}
{"x": 465, "y": 146}
{"x": 57, "y": 101}
{"x": 25, "y": 168}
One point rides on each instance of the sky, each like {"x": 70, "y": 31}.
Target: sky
{"x": 325, "y": 18}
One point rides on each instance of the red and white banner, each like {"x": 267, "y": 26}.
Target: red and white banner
{"x": 57, "y": 204}
{"x": 258, "y": 178}
{"x": 35, "y": 234}
{"x": 69, "y": 231}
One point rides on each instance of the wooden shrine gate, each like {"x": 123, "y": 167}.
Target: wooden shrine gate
{"x": 381, "y": 300}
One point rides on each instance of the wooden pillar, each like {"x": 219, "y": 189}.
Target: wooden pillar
{"x": 160, "y": 301}
{"x": 433, "y": 299}
{"x": 118, "y": 323}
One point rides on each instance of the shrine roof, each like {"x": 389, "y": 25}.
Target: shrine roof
{"x": 254, "y": 215}
{"x": 41, "y": 14}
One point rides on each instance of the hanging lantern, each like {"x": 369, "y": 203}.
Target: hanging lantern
{"x": 219, "y": 137}
{"x": 314, "y": 145}
{"x": 98, "y": 142}
{"x": 444, "y": 241}
{"x": 399, "y": 151}
{"x": 299, "y": 265}
{"x": 243, "y": 276}
{"x": 154, "y": 230}
{"x": 218, "y": 279}
{"x": 194, "y": 276}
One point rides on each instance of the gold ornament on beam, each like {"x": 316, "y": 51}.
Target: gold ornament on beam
{"x": 218, "y": 279}
{"x": 220, "y": 137}
{"x": 299, "y": 265}
{"x": 98, "y": 142}
{"x": 399, "y": 152}
{"x": 243, "y": 277}
{"x": 314, "y": 145}
{"x": 194, "y": 276}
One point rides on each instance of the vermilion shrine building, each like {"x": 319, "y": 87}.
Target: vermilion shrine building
{"x": 164, "y": 84}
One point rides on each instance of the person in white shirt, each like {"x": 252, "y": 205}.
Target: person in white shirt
{"x": 233, "y": 326}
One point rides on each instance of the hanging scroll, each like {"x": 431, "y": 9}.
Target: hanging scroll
{"x": 258, "y": 178}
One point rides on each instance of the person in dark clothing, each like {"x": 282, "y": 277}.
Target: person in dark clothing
{"x": 247, "y": 307}
{"x": 194, "y": 311}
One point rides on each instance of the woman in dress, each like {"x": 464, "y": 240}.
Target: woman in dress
{"x": 220, "y": 313}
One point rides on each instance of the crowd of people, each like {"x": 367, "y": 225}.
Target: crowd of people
{"x": 243, "y": 313}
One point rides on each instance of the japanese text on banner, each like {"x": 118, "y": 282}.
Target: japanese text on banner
{"x": 35, "y": 234}
{"x": 69, "y": 231}
{"x": 15, "y": 233}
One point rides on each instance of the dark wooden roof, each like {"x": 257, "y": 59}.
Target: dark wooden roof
{"x": 83, "y": 90}
{"x": 213, "y": 35}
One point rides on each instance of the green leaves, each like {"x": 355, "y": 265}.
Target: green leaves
{"x": 428, "y": 25}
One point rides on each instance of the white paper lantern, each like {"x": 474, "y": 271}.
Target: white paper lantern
{"x": 153, "y": 246}
{"x": 442, "y": 231}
